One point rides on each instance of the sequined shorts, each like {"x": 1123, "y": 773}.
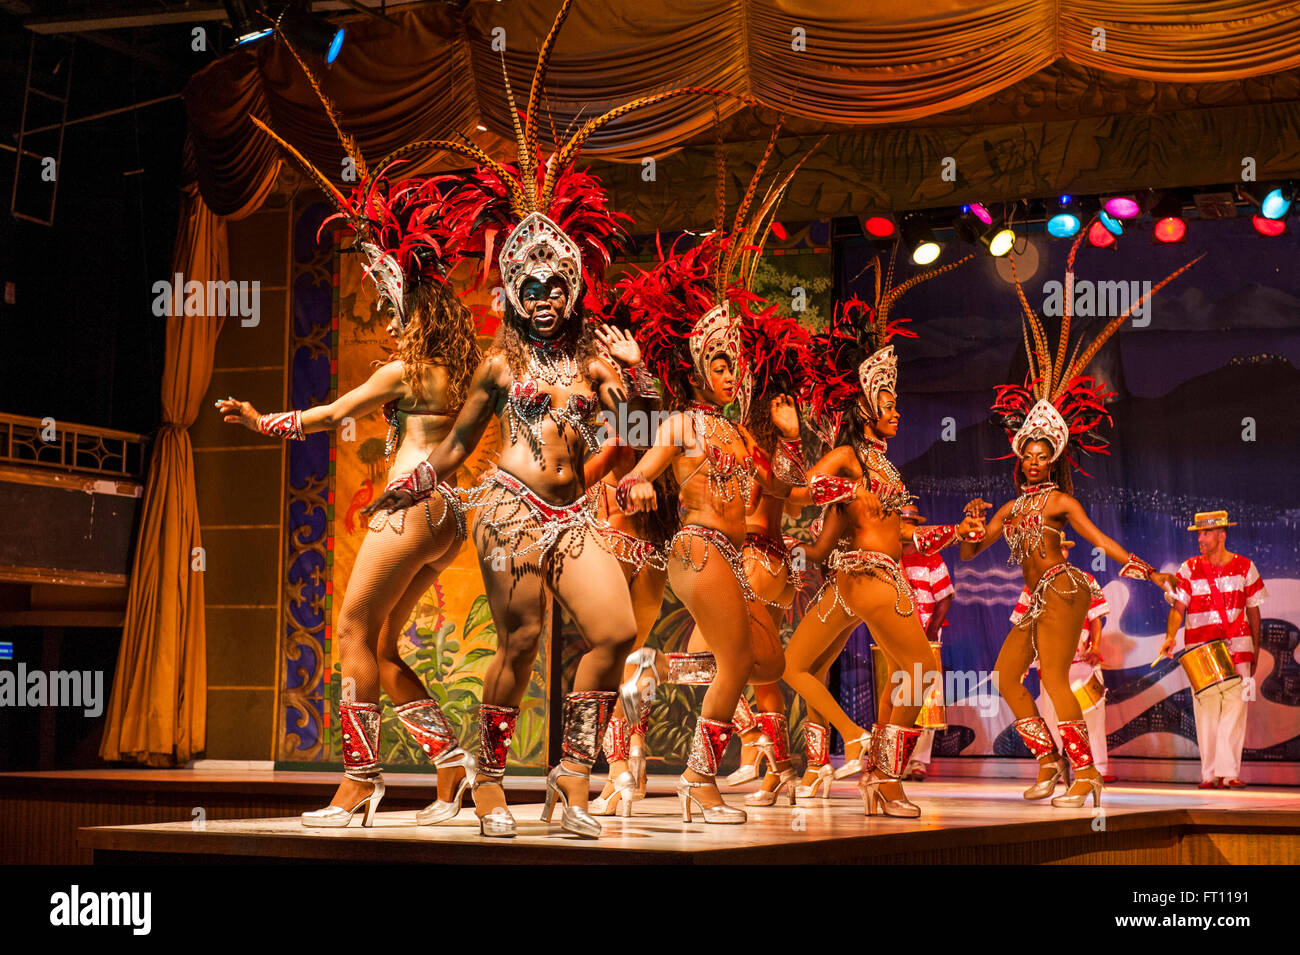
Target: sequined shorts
{"x": 870, "y": 563}
{"x": 679, "y": 547}
{"x": 451, "y": 506}
{"x": 773, "y": 556}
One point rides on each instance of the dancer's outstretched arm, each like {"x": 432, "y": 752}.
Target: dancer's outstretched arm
{"x": 382, "y": 386}
{"x": 1132, "y": 566}
{"x": 992, "y": 530}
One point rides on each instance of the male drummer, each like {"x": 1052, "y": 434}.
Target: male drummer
{"x": 1219, "y": 593}
{"x": 932, "y": 587}
{"x": 1087, "y": 661}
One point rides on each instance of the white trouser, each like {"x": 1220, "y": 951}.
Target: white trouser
{"x": 921, "y": 755}
{"x": 1095, "y": 718}
{"x": 1221, "y": 728}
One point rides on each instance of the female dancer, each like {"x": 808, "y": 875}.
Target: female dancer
{"x": 868, "y": 580}
{"x": 537, "y": 533}
{"x": 779, "y": 351}
{"x": 397, "y": 229}
{"x": 1046, "y": 440}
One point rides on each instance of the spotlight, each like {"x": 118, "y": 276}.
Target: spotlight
{"x": 918, "y": 239}
{"x": 1122, "y": 207}
{"x": 1111, "y": 224}
{"x": 1063, "y": 219}
{"x": 879, "y": 226}
{"x": 978, "y": 210}
{"x": 999, "y": 241}
{"x": 1170, "y": 225}
{"x": 1099, "y": 236}
{"x": 306, "y": 31}
{"x": 248, "y": 22}
{"x": 1269, "y": 227}
{"x": 1273, "y": 199}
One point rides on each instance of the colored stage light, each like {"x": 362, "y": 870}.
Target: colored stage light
{"x": 1170, "y": 229}
{"x": 1112, "y": 225}
{"x": 249, "y": 25}
{"x": 878, "y": 227}
{"x": 1002, "y": 242}
{"x": 979, "y": 212}
{"x": 1268, "y": 227}
{"x": 336, "y": 44}
{"x": 1122, "y": 207}
{"x": 1063, "y": 225}
{"x": 1099, "y": 236}
{"x": 1275, "y": 205}
{"x": 918, "y": 239}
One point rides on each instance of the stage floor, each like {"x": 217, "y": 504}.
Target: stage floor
{"x": 962, "y": 821}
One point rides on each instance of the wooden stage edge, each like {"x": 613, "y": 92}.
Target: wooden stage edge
{"x": 984, "y": 822}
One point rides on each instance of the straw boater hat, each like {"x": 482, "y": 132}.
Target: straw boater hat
{"x": 1209, "y": 520}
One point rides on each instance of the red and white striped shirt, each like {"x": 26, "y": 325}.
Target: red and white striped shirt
{"x": 1239, "y": 586}
{"x": 930, "y": 582}
{"x": 1098, "y": 608}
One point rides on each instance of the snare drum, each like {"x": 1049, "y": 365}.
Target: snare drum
{"x": 1089, "y": 692}
{"x": 1209, "y": 667}
{"x": 934, "y": 714}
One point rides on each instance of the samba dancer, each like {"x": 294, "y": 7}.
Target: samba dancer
{"x": 1051, "y": 420}
{"x": 396, "y": 228}
{"x": 854, "y": 398}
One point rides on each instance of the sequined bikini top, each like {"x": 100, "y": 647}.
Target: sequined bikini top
{"x": 391, "y": 411}
{"x": 880, "y": 476}
{"x": 529, "y": 407}
{"x": 1023, "y": 527}
{"x": 728, "y": 472}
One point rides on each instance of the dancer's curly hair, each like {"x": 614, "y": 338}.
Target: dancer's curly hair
{"x": 440, "y": 330}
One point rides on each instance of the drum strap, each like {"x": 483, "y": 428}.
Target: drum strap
{"x": 1221, "y": 608}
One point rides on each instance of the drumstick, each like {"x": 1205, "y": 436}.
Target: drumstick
{"x": 1160, "y": 656}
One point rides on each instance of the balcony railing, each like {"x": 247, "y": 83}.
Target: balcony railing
{"x": 72, "y": 447}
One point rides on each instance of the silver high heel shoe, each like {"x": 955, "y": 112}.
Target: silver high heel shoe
{"x": 574, "y": 819}
{"x": 1079, "y": 800}
{"x": 751, "y": 771}
{"x": 636, "y": 765}
{"x": 637, "y": 700}
{"x": 336, "y": 817}
{"x": 782, "y": 795}
{"x": 1074, "y": 740}
{"x": 854, "y": 766}
{"x": 499, "y": 823}
{"x": 869, "y": 785}
{"x": 619, "y": 802}
{"x": 1045, "y": 787}
{"x": 823, "y": 781}
{"x": 439, "y": 810}
{"x": 720, "y": 814}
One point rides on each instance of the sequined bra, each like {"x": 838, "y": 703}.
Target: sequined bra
{"x": 888, "y": 486}
{"x": 1024, "y": 526}
{"x": 529, "y": 407}
{"x": 728, "y": 473}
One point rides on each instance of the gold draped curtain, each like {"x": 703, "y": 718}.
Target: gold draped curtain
{"x": 846, "y": 63}
{"x": 157, "y": 714}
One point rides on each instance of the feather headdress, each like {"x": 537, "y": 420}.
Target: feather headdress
{"x": 555, "y": 220}
{"x": 854, "y": 354}
{"x": 691, "y": 306}
{"x": 1058, "y": 403}
{"x": 398, "y": 226}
